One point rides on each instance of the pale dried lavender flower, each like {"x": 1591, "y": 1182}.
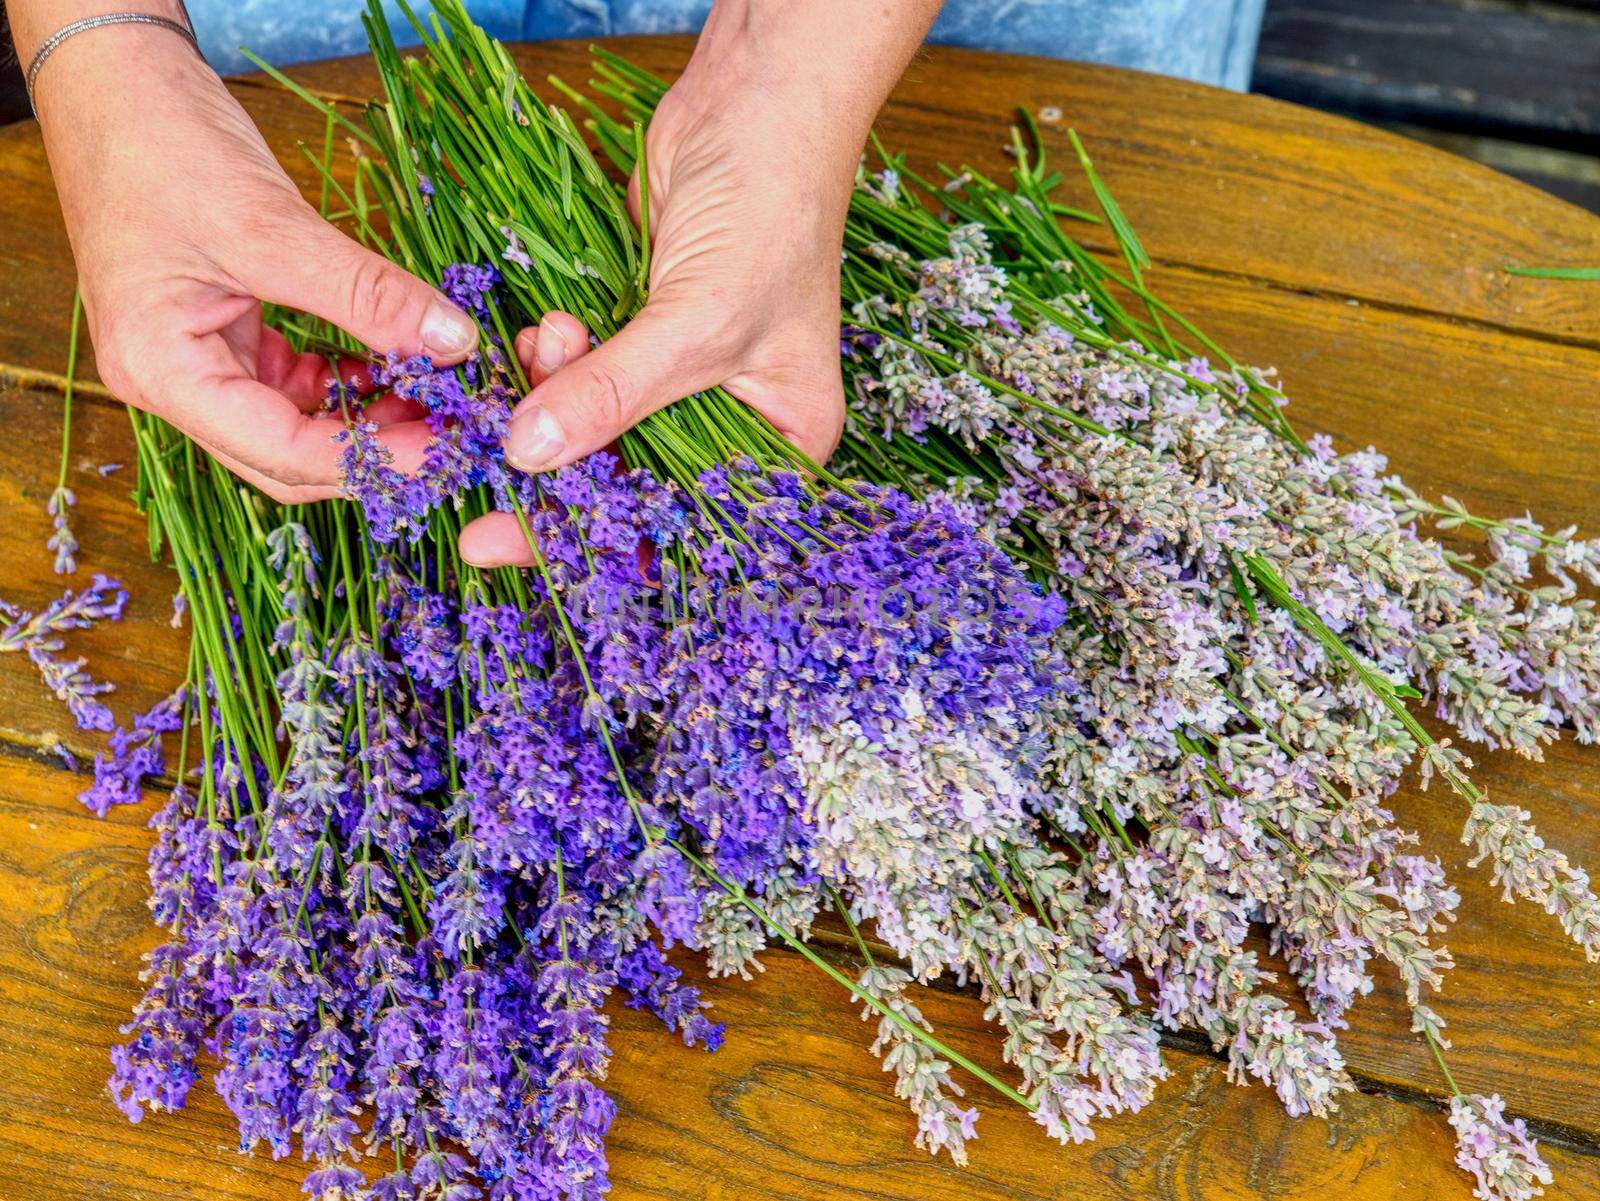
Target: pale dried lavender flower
{"x": 1498, "y": 1153}
{"x": 922, "y": 1079}
{"x": 1524, "y": 867}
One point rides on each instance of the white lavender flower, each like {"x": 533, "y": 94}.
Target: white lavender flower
{"x": 1498, "y": 1153}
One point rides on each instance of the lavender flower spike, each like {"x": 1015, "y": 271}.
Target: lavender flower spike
{"x": 61, "y": 540}
{"x": 1499, "y": 1154}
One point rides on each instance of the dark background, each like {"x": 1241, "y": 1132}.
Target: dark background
{"x": 1512, "y": 83}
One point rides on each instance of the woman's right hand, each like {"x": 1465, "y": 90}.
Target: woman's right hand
{"x": 182, "y": 223}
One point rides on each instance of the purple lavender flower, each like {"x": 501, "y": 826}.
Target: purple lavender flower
{"x": 441, "y": 1176}
{"x": 74, "y": 688}
{"x": 156, "y": 1068}
{"x": 271, "y": 1002}
{"x": 465, "y": 408}
{"x": 429, "y": 636}
{"x": 654, "y": 984}
{"x": 469, "y": 285}
{"x": 335, "y": 1182}
{"x": 39, "y": 635}
{"x": 575, "y": 1110}
{"x": 390, "y": 1074}
{"x": 102, "y": 600}
{"x": 469, "y": 908}
{"x": 470, "y": 1060}
{"x": 135, "y": 757}
{"x": 325, "y": 1109}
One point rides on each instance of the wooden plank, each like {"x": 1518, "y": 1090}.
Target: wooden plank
{"x": 1243, "y": 186}
{"x": 1524, "y": 71}
{"x": 1237, "y": 186}
{"x": 793, "y": 1106}
{"x": 1572, "y": 176}
{"x": 142, "y": 654}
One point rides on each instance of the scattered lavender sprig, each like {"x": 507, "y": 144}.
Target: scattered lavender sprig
{"x": 39, "y": 635}
{"x": 62, "y": 498}
{"x": 135, "y": 757}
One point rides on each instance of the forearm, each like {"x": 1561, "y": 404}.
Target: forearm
{"x": 132, "y": 120}
{"x": 99, "y": 88}
{"x": 823, "y": 67}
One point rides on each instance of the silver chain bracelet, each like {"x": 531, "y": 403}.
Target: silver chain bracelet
{"x": 50, "y": 44}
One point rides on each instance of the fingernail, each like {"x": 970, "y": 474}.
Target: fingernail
{"x": 527, "y": 346}
{"x": 534, "y": 440}
{"x": 446, "y": 330}
{"x": 549, "y": 348}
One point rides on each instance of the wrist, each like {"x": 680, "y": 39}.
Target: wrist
{"x": 114, "y": 75}
{"x": 46, "y": 48}
{"x": 32, "y": 21}
{"x": 761, "y": 60}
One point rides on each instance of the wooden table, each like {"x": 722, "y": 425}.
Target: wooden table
{"x": 1368, "y": 268}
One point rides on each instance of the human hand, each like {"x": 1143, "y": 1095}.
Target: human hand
{"x": 751, "y": 155}
{"x": 182, "y": 223}
{"x": 744, "y": 292}
{"x": 744, "y": 285}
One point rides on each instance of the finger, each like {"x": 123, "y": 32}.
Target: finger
{"x": 244, "y": 421}
{"x": 544, "y": 349}
{"x": 307, "y": 378}
{"x": 392, "y": 409}
{"x": 495, "y": 540}
{"x": 652, "y": 362}
{"x": 284, "y": 494}
{"x": 498, "y": 540}
{"x": 325, "y": 273}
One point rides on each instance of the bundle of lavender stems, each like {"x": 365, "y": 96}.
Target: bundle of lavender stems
{"x": 1076, "y": 667}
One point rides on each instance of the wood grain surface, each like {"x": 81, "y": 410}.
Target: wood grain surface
{"x": 1365, "y": 267}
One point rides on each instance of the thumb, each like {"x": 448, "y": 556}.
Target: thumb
{"x": 588, "y": 403}
{"x": 331, "y": 276}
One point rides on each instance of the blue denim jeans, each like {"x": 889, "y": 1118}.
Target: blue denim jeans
{"x": 1212, "y": 41}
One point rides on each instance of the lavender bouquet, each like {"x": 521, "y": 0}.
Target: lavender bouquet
{"x": 1077, "y": 663}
